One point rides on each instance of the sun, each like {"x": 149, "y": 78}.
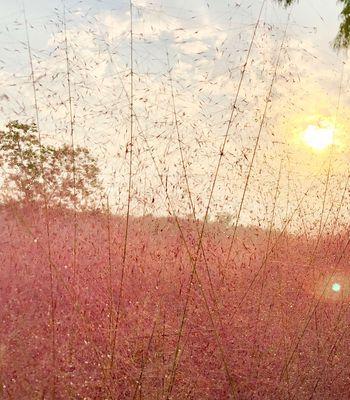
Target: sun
{"x": 318, "y": 138}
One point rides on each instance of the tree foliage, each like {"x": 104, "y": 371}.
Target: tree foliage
{"x": 342, "y": 40}
{"x": 33, "y": 172}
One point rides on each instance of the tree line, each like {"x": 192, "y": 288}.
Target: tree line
{"x": 35, "y": 172}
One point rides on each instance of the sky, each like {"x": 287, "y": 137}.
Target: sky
{"x": 188, "y": 60}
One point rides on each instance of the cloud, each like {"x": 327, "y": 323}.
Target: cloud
{"x": 194, "y": 47}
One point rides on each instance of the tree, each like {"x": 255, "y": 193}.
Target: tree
{"x": 224, "y": 218}
{"x": 342, "y": 40}
{"x": 33, "y": 172}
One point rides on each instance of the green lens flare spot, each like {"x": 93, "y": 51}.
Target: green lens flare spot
{"x": 336, "y": 287}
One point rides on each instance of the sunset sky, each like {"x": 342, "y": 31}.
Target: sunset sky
{"x": 206, "y": 43}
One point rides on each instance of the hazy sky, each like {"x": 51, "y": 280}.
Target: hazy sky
{"x": 206, "y": 42}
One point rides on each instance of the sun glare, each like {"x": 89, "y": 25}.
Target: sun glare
{"x": 317, "y": 137}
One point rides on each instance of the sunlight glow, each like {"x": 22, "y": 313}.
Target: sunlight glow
{"x": 317, "y": 137}
{"x": 336, "y": 287}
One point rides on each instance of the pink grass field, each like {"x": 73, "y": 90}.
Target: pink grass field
{"x": 277, "y": 325}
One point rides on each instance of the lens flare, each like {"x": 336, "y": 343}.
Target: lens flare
{"x": 332, "y": 286}
{"x": 336, "y": 287}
